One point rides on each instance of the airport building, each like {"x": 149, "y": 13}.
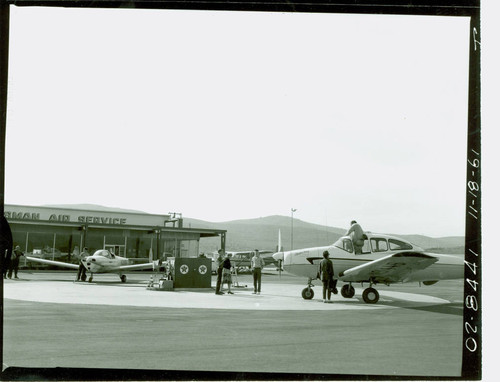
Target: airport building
{"x": 57, "y": 233}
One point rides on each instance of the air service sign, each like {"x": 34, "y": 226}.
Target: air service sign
{"x": 61, "y": 215}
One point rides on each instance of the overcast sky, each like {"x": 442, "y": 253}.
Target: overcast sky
{"x": 236, "y": 115}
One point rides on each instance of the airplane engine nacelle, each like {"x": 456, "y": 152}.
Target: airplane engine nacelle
{"x": 430, "y": 282}
{"x": 278, "y": 256}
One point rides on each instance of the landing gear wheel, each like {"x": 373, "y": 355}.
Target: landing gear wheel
{"x": 307, "y": 293}
{"x": 83, "y": 277}
{"x": 370, "y": 295}
{"x": 90, "y": 279}
{"x": 123, "y": 278}
{"x": 347, "y": 291}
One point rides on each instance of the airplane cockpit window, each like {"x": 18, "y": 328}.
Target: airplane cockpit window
{"x": 365, "y": 249}
{"x": 396, "y": 245}
{"x": 379, "y": 244}
{"x": 104, "y": 253}
{"x": 345, "y": 244}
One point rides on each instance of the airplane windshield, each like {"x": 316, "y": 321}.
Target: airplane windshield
{"x": 103, "y": 253}
{"x": 345, "y": 244}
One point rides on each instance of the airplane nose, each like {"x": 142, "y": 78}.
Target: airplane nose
{"x": 278, "y": 256}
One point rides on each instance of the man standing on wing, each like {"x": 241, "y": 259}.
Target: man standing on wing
{"x": 356, "y": 233}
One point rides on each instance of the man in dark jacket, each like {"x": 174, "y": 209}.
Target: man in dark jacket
{"x": 326, "y": 274}
{"x": 219, "y": 262}
{"x": 82, "y": 273}
{"x": 14, "y": 261}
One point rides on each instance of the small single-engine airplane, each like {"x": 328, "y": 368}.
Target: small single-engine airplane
{"x": 242, "y": 260}
{"x": 383, "y": 259}
{"x": 102, "y": 261}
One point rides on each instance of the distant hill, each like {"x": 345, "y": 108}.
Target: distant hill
{"x": 92, "y": 207}
{"x": 262, "y": 233}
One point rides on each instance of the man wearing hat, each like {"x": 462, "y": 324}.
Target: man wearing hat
{"x": 14, "y": 262}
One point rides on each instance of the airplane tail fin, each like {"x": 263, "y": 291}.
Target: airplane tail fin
{"x": 279, "y": 247}
{"x": 279, "y": 255}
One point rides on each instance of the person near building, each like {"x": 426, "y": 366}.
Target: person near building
{"x": 219, "y": 262}
{"x": 326, "y": 274}
{"x": 226, "y": 273}
{"x": 14, "y": 262}
{"x": 82, "y": 275}
{"x": 257, "y": 264}
{"x": 6, "y": 262}
{"x": 357, "y": 235}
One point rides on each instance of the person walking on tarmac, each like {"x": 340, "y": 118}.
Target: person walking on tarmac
{"x": 219, "y": 262}
{"x": 257, "y": 264}
{"x": 82, "y": 275}
{"x": 14, "y": 261}
{"x": 326, "y": 274}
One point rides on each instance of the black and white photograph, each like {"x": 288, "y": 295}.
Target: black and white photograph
{"x": 232, "y": 192}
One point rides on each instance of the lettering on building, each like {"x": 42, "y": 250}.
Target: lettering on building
{"x": 59, "y": 218}
{"x": 22, "y": 215}
{"x": 101, "y": 220}
{"x": 65, "y": 218}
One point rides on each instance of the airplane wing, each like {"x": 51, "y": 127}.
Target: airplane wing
{"x": 134, "y": 266}
{"x": 52, "y": 262}
{"x": 390, "y": 269}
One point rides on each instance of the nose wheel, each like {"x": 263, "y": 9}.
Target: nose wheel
{"x": 308, "y": 293}
{"x": 123, "y": 278}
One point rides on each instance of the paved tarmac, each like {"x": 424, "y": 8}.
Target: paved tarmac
{"x": 50, "y": 321}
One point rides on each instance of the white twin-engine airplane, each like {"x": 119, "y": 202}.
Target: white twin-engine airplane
{"x": 102, "y": 261}
{"x": 384, "y": 259}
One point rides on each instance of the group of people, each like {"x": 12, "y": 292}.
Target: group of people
{"x": 224, "y": 272}
{"x": 223, "y": 262}
{"x": 11, "y": 262}
{"x": 326, "y": 271}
